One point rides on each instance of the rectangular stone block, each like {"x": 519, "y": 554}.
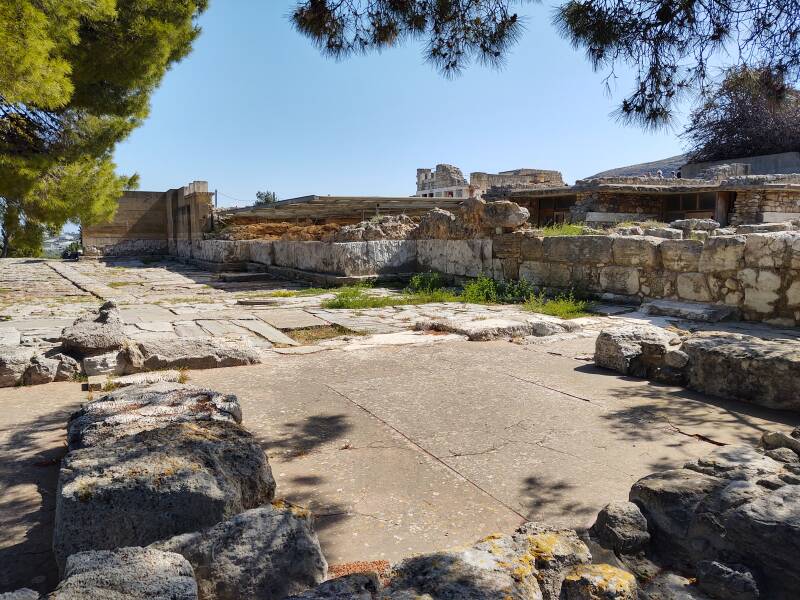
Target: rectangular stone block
{"x": 531, "y": 248}
{"x": 722, "y": 254}
{"x": 261, "y": 252}
{"x": 620, "y": 280}
{"x": 770, "y": 250}
{"x": 578, "y": 249}
{"x": 637, "y": 251}
{"x": 432, "y": 255}
{"x": 507, "y": 245}
{"x": 469, "y": 258}
{"x": 391, "y": 256}
{"x": 681, "y": 255}
{"x": 694, "y": 287}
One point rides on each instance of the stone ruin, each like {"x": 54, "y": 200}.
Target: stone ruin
{"x": 164, "y": 494}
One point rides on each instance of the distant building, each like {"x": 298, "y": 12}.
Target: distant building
{"x": 447, "y": 181}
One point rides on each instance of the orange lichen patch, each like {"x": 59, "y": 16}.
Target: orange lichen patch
{"x": 297, "y": 511}
{"x": 603, "y": 577}
{"x": 379, "y": 567}
{"x": 544, "y": 545}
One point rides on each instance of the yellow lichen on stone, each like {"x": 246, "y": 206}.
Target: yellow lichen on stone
{"x": 544, "y": 545}
{"x": 604, "y": 578}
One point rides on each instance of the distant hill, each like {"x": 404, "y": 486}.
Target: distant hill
{"x": 667, "y": 166}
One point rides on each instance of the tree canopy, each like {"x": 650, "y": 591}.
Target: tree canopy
{"x": 670, "y": 44}
{"x": 76, "y": 78}
{"x": 751, "y": 112}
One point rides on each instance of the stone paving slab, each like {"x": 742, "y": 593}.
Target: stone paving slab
{"x": 267, "y": 331}
{"x": 289, "y": 318}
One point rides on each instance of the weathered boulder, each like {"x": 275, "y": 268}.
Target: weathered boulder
{"x": 735, "y": 506}
{"x": 435, "y": 225}
{"x": 725, "y": 582}
{"x": 108, "y": 363}
{"x": 622, "y": 527}
{"x": 695, "y": 224}
{"x": 95, "y": 334}
{"x": 747, "y": 368}
{"x": 664, "y": 232}
{"x": 156, "y": 484}
{"x": 40, "y": 370}
{"x": 504, "y": 214}
{"x": 68, "y": 368}
{"x": 473, "y": 574}
{"x": 598, "y": 582}
{"x": 671, "y": 586}
{"x": 188, "y": 353}
{"x": 621, "y": 349}
{"x": 14, "y": 361}
{"x": 131, "y": 410}
{"x": 359, "y": 586}
{"x": 127, "y": 573}
{"x": 262, "y": 554}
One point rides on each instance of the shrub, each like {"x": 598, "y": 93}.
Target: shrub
{"x": 565, "y": 306}
{"x": 482, "y": 290}
{"x": 562, "y": 229}
{"x": 425, "y": 282}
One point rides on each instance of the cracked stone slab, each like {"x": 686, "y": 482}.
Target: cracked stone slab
{"x": 290, "y": 319}
{"x": 477, "y": 329}
{"x": 267, "y": 332}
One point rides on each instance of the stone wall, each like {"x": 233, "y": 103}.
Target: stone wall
{"x": 758, "y": 274}
{"x": 138, "y": 227}
{"x": 640, "y": 206}
{"x": 753, "y": 206}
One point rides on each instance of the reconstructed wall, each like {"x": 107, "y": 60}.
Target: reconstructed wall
{"x": 610, "y": 207}
{"x": 138, "y": 227}
{"x": 758, "y": 274}
{"x": 766, "y": 206}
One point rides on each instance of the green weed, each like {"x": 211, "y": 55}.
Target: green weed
{"x": 565, "y": 306}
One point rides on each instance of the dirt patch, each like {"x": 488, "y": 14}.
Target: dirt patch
{"x": 308, "y": 336}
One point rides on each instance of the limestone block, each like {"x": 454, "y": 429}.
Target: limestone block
{"x": 136, "y": 408}
{"x": 95, "y": 334}
{"x": 794, "y": 253}
{"x": 761, "y": 289}
{"x": 505, "y": 214}
{"x": 14, "y": 361}
{"x": 391, "y": 256}
{"x": 346, "y": 258}
{"x": 262, "y": 252}
{"x": 723, "y": 254}
{"x": 187, "y": 353}
{"x": 507, "y": 245}
{"x": 770, "y": 250}
{"x": 310, "y": 256}
{"x": 664, "y": 232}
{"x": 41, "y": 370}
{"x": 620, "y": 280}
{"x": 693, "y": 286}
{"x": 156, "y": 484}
{"x": 681, "y": 255}
{"x": 109, "y": 363}
{"x": 432, "y": 255}
{"x": 265, "y": 553}
{"x": 586, "y": 277}
{"x": 637, "y": 251}
{"x": 658, "y": 284}
{"x": 532, "y": 248}
{"x": 793, "y": 294}
{"x": 739, "y": 367}
{"x": 620, "y": 348}
{"x": 283, "y": 253}
{"x": 578, "y": 249}
{"x": 535, "y": 272}
{"x": 469, "y": 258}
{"x": 129, "y": 573}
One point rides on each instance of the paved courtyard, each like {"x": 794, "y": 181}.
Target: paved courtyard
{"x": 399, "y": 441}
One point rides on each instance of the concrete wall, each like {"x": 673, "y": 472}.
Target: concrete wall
{"x": 138, "y": 227}
{"x": 148, "y": 223}
{"x": 786, "y": 162}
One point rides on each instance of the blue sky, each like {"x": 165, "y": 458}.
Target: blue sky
{"x": 256, "y": 106}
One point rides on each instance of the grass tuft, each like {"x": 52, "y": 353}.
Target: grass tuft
{"x": 562, "y": 229}
{"x": 564, "y": 306}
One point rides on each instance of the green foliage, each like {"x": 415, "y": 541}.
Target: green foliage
{"x": 425, "y": 282}
{"x": 75, "y": 79}
{"x": 565, "y": 306}
{"x": 357, "y": 297}
{"x": 562, "y": 229}
{"x": 266, "y": 198}
{"x": 482, "y": 290}
{"x": 485, "y": 290}
{"x": 751, "y": 112}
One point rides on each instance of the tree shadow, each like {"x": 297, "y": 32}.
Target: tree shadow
{"x": 28, "y": 479}
{"x": 539, "y": 493}
{"x": 307, "y": 435}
